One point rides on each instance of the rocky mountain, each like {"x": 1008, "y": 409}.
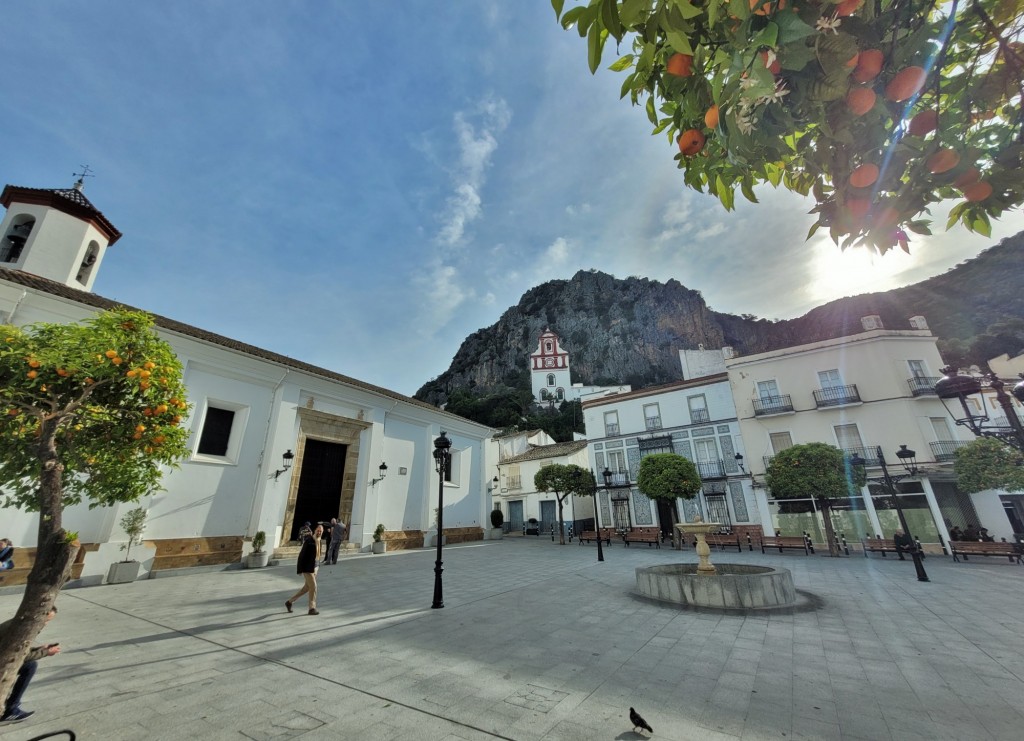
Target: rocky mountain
{"x": 631, "y": 330}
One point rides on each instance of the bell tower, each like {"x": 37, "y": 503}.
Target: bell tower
{"x": 549, "y": 369}
{"x": 54, "y": 233}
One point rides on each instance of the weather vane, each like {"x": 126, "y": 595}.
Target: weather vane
{"x": 82, "y": 175}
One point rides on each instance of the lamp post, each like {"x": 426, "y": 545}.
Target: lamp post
{"x": 908, "y": 459}
{"x": 597, "y": 522}
{"x": 442, "y": 461}
{"x": 954, "y": 386}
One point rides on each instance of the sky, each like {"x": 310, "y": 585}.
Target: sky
{"x": 361, "y": 185}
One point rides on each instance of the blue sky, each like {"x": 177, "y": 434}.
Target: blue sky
{"x": 362, "y": 185}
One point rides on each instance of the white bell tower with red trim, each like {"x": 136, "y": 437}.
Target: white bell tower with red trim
{"x": 549, "y": 369}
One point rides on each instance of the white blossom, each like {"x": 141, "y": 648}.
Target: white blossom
{"x": 825, "y": 24}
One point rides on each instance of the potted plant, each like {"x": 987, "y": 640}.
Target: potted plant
{"x": 259, "y": 557}
{"x": 379, "y": 546}
{"x": 497, "y": 520}
{"x": 133, "y": 523}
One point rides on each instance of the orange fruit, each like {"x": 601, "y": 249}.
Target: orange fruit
{"x": 89, "y": 382}
{"x": 860, "y": 100}
{"x": 978, "y": 191}
{"x": 159, "y": 439}
{"x": 32, "y": 374}
{"x": 864, "y": 175}
{"x": 943, "y": 161}
{"x": 137, "y": 436}
{"x": 62, "y": 373}
{"x": 680, "y": 65}
{"x": 140, "y": 428}
{"x": 131, "y": 373}
{"x": 111, "y": 353}
{"x": 161, "y": 408}
{"x": 869, "y": 64}
{"x": 145, "y": 374}
{"x": 12, "y": 412}
{"x": 117, "y": 361}
{"x": 690, "y": 142}
{"x": 143, "y": 385}
{"x": 711, "y": 117}
{"x": 858, "y": 207}
{"x": 149, "y": 365}
{"x": 765, "y": 8}
{"x": 906, "y": 84}
{"x": 924, "y": 123}
{"x": 33, "y": 363}
{"x": 848, "y": 7}
{"x": 775, "y": 67}
{"x": 968, "y": 177}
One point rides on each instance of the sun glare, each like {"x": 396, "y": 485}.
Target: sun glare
{"x": 837, "y": 273}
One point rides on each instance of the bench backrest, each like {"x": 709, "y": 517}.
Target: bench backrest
{"x": 971, "y": 546}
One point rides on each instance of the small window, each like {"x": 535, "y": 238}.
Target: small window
{"x": 768, "y": 390}
{"x": 917, "y": 369}
{"x": 216, "y": 432}
{"x": 848, "y": 437}
{"x": 551, "y": 379}
{"x": 560, "y": 395}
{"x": 453, "y": 473}
{"x": 616, "y": 461}
{"x": 611, "y": 424}
{"x": 88, "y": 262}
{"x": 780, "y": 441}
{"x": 14, "y": 241}
{"x": 698, "y": 409}
{"x": 830, "y": 379}
{"x": 652, "y": 416}
{"x": 547, "y": 347}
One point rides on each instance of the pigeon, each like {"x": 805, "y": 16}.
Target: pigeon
{"x": 638, "y": 722}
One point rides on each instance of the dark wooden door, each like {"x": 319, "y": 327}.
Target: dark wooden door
{"x": 319, "y": 495}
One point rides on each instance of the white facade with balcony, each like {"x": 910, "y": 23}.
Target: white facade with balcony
{"x": 858, "y": 393}
{"x": 694, "y": 418}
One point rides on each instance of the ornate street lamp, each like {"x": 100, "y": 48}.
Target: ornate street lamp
{"x": 909, "y": 460}
{"x": 954, "y": 386}
{"x": 442, "y": 463}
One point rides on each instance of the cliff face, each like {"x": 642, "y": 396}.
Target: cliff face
{"x": 631, "y": 330}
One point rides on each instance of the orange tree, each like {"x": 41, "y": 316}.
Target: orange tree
{"x": 879, "y": 108}
{"x": 668, "y": 476}
{"x": 818, "y": 471}
{"x": 88, "y": 412}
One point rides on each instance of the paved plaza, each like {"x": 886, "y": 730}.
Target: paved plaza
{"x": 535, "y": 641}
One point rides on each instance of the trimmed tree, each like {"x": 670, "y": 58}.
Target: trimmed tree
{"x": 818, "y": 471}
{"x": 985, "y": 464}
{"x": 563, "y": 481}
{"x": 669, "y": 477}
{"x": 88, "y": 412}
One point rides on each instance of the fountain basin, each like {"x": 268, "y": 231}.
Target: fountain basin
{"x": 735, "y": 586}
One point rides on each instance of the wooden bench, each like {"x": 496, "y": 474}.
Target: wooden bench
{"x": 649, "y": 535}
{"x": 724, "y": 540}
{"x": 589, "y": 535}
{"x": 967, "y": 548}
{"x": 877, "y": 545}
{"x": 784, "y": 542}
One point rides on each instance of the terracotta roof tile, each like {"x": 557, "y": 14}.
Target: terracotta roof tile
{"x": 548, "y": 451}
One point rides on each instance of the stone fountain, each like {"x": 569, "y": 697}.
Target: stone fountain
{"x": 727, "y": 586}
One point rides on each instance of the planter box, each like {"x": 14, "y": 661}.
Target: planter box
{"x": 257, "y": 560}
{"x": 497, "y": 533}
{"x": 380, "y": 547}
{"x": 123, "y": 572}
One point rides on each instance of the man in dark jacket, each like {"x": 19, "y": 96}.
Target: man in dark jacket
{"x": 309, "y": 557}
{"x": 903, "y": 542}
{"x": 12, "y": 709}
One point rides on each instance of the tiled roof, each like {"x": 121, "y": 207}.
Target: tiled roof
{"x": 91, "y": 299}
{"x": 548, "y": 451}
{"x": 69, "y": 200}
{"x": 650, "y": 390}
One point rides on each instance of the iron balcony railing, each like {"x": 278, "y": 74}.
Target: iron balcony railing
{"x": 611, "y": 430}
{"x": 653, "y": 423}
{"x": 618, "y": 479}
{"x": 697, "y": 416}
{"x": 781, "y": 404}
{"x": 945, "y": 450}
{"x": 767, "y": 460}
{"x": 711, "y": 470}
{"x": 835, "y": 396}
{"x": 922, "y": 385}
{"x": 868, "y": 452}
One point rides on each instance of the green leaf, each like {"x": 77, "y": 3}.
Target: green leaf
{"x": 791, "y": 27}
{"x": 725, "y": 194}
{"x": 812, "y": 230}
{"x": 981, "y": 224}
{"x": 769, "y": 36}
{"x": 748, "y": 191}
{"x": 739, "y": 8}
{"x": 652, "y": 115}
{"x": 572, "y": 16}
{"x": 610, "y": 19}
{"x": 622, "y": 63}
{"x": 595, "y": 44}
{"x": 557, "y": 5}
{"x": 685, "y": 9}
{"x": 632, "y": 11}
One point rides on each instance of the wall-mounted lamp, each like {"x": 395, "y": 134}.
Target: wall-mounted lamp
{"x": 286, "y": 463}
{"x": 383, "y": 469}
{"x": 739, "y": 461}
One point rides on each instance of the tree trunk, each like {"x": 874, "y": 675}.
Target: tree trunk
{"x": 561, "y": 522}
{"x": 830, "y": 535}
{"x": 54, "y": 556}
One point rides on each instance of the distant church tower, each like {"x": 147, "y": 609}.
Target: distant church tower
{"x": 549, "y": 369}
{"x": 54, "y": 233}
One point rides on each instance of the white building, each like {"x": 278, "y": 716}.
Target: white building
{"x": 250, "y": 407}
{"x": 694, "y": 418}
{"x": 551, "y": 377}
{"x": 858, "y": 393}
{"x": 518, "y": 499}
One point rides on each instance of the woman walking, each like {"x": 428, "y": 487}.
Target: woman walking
{"x": 309, "y": 557}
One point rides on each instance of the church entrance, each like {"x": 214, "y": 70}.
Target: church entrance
{"x": 319, "y": 492}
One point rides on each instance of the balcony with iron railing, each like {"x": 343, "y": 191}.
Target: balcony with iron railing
{"x": 611, "y": 430}
{"x": 711, "y": 470}
{"x": 836, "y": 396}
{"x": 945, "y": 450}
{"x": 699, "y": 416}
{"x": 653, "y": 423}
{"x": 767, "y": 460}
{"x": 867, "y": 452}
{"x": 620, "y": 478}
{"x": 766, "y": 405}
{"x": 922, "y": 385}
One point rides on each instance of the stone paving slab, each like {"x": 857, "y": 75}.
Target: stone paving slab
{"x": 536, "y": 641}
